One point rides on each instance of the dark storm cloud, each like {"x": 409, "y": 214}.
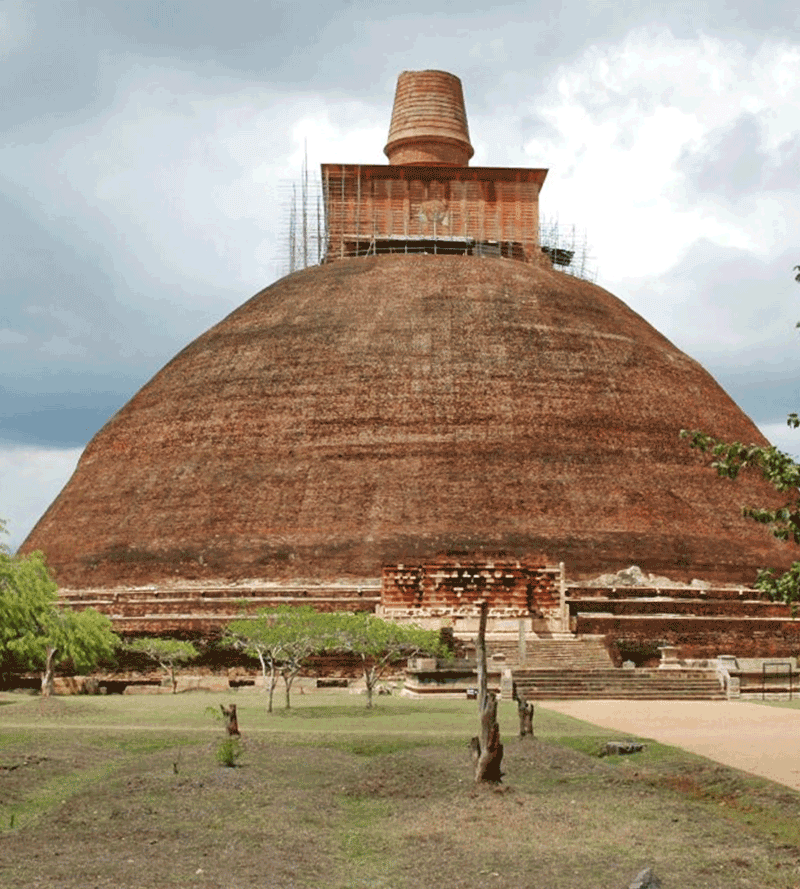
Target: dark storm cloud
{"x": 50, "y": 64}
{"x": 62, "y": 419}
{"x": 71, "y": 337}
{"x": 77, "y": 49}
{"x": 767, "y": 399}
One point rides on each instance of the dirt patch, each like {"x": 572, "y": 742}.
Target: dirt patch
{"x": 139, "y": 810}
{"x": 751, "y": 737}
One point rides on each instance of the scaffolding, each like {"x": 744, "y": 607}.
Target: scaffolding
{"x": 350, "y": 214}
{"x": 568, "y": 248}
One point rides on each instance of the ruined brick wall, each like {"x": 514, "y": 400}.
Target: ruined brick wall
{"x": 701, "y": 623}
{"x": 450, "y": 586}
{"x": 203, "y": 612}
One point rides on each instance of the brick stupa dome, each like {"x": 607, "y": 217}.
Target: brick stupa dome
{"x": 391, "y": 405}
{"x": 385, "y": 409}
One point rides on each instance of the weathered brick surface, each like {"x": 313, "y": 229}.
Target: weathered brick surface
{"x": 382, "y": 410}
{"x": 701, "y": 623}
{"x": 700, "y": 637}
{"x": 453, "y": 585}
{"x": 683, "y": 607}
{"x": 372, "y": 207}
{"x": 428, "y": 199}
{"x": 429, "y": 120}
{"x": 204, "y": 612}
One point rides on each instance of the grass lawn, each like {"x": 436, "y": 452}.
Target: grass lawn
{"x": 126, "y": 791}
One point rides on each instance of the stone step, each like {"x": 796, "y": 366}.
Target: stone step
{"x": 616, "y": 684}
{"x": 555, "y": 653}
{"x": 625, "y": 694}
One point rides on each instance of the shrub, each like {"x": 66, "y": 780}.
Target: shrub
{"x": 229, "y": 751}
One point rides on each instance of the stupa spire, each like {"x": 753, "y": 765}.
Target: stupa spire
{"x": 429, "y": 122}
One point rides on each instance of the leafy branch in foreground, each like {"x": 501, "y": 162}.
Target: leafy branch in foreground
{"x": 775, "y": 467}
{"x": 783, "y": 473}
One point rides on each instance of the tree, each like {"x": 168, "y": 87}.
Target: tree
{"x": 167, "y": 653}
{"x": 259, "y": 637}
{"x": 783, "y": 473}
{"x": 379, "y": 643}
{"x": 304, "y": 632}
{"x": 36, "y": 632}
{"x": 282, "y": 639}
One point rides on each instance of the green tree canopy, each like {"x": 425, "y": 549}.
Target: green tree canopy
{"x": 167, "y": 653}
{"x": 379, "y": 643}
{"x": 262, "y": 635}
{"x": 35, "y": 632}
{"x": 783, "y": 473}
{"x": 283, "y": 639}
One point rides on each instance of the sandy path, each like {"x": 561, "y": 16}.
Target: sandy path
{"x": 761, "y": 740}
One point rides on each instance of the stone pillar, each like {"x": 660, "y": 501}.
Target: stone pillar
{"x": 506, "y": 684}
{"x": 562, "y": 598}
{"x": 727, "y": 670}
{"x": 669, "y": 657}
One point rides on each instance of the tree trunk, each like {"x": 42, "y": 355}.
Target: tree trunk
{"x": 487, "y": 751}
{"x": 480, "y": 653}
{"x": 288, "y": 679}
{"x": 270, "y": 679}
{"x": 47, "y": 673}
{"x": 231, "y": 722}
{"x": 525, "y": 711}
{"x": 369, "y": 680}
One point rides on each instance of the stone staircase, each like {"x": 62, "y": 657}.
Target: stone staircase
{"x": 553, "y": 654}
{"x": 581, "y": 668}
{"x": 617, "y": 684}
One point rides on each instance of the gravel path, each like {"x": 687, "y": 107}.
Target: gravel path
{"x": 758, "y": 739}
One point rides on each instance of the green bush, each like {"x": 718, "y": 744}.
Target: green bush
{"x": 229, "y": 751}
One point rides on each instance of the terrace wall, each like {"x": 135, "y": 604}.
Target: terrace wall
{"x": 699, "y": 623}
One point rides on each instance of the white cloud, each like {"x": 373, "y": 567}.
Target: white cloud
{"x": 61, "y": 347}
{"x": 16, "y": 27}
{"x": 784, "y": 438}
{"x": 620, "y": 119}
{"x": 11, "y": 337}
{"x": 30, "y": 479}
{"x": 193, "y": 176}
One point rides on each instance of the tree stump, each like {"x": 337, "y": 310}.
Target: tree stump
{"x": 487, "y": 751}
{"x": 231, "y": 722}
{"x": 525, "y": 712}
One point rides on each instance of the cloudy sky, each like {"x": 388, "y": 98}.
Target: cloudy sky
{"x": 147, "y": 148}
